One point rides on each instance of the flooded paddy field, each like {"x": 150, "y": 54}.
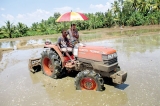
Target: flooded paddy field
{"x": 139, "y": 56}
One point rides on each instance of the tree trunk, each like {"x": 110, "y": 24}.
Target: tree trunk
{"x": 10, "y": 35}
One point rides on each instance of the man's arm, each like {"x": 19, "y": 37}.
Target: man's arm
{"x": 68, "y": 43}
{"x": 77, "y": 35}
{"x": 59, "y": 40}
{"x": 58, "y": 43}
{"x": 59, "y": 47}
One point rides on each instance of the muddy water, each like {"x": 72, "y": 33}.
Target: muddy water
{"x": 11, "y": 44}
{"x": 139, "y": 56}
{"x": 1, "y": 55}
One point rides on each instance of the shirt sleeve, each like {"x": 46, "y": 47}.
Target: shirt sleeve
{"x": 59, "y": 40}
{"x": 77, "y": 34}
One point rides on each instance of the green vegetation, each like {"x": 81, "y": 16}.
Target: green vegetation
{"x": 133, "y": 32}
{"x": 122, "y": 13}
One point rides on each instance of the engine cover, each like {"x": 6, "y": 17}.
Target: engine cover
{"x": 92, "y": 52}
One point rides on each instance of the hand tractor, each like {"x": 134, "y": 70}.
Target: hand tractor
{"x": 92, "y": 63}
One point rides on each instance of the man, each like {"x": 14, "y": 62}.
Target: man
{"x": 64, "y": 44}
{"x": 73, "y": 34}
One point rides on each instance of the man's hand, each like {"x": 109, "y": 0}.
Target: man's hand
{"x": 70, "y": 45}
{"x": 75, "y": 35}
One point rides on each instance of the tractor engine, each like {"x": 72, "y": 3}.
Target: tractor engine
{"x": 102, "y": 60}
{"x": 99, "y": 58}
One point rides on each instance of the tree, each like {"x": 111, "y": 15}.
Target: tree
{"x": 9, "y": 30}
{"x": 56, "y": 15}
{"x": 156, "y": 5}
{"x": 22, "y": 29}
{"x": 34, "y": 26}
{"x": 109, "y": 20}
{"x": 116, "y": 10}
{"x": 116, "y": 7}
{"x": 144, "y": 7}
{"x": 136, "y": 19}
{"x": 135, "y": 4}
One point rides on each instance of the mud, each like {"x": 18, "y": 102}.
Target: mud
{"x": 1, "y": 54}
{"x": 138, "y": 55}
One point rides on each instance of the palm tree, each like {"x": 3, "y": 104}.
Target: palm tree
{"x": 144, "y": 6}
{"x": 115, "y": 7}
{"x": 56, "y": 15}
{"x": 22, "y": 29}
{"x": 34, "y": 26}
{"x": 156, "y": 5}
{"x": 116, "y": 10}
{"x": 135, "y": 4}
{"x": 9, "y": 29}
{"x": 109, "y": 20}
{"x": 42, "y": 27}
{"x": 129, "y": 9}
{"x": 121, "y": 12}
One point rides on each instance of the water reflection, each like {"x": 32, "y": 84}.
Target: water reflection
{"x": 139, "y": 44}
{"x": 124, "y": 44}
{"x": 11, "y": 44}
{"x": 38, "y": 41}
{"x": 8, "y": 44}
{"x": 0, "y": 55}
{"x": 128, "y": 45}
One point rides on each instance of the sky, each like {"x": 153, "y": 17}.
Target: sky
{"x": 29, "y": 11}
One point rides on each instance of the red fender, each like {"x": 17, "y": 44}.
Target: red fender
{"x": 64, "y": 59}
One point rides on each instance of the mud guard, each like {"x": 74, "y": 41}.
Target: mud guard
{"x": 55, "y": 48}
{"x": 34, "y": 65}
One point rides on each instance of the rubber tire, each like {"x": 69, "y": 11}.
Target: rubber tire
{"x": 89, "y": 74}
{"x": 54, "y": 58}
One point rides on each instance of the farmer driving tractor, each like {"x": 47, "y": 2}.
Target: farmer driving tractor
{"x": 64, "y": 44}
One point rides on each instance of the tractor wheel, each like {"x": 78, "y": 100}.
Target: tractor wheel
{"x": 89, "y": 80}
{"x": 51, "y": 64}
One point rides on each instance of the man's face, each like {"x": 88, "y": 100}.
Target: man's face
{"x": 74, "y": 27}
{"x": 64, "y": 33}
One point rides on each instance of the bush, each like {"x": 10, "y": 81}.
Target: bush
{"x": 136, "y": 19}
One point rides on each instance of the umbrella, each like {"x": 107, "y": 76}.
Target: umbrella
{"x": 71, "y": 16}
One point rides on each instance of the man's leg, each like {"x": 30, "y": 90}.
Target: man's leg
{"x": 69, "y": 56}
{"x": 66, "y": 52}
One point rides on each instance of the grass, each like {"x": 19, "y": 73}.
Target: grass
{"x": 88, "y": 32}
{"x": 132, "y": 32}
{"x": 93, "y": 35}
{"x": 90, "y": 37}
{"x": 97, "y": 34}
{"x": 53, "y": 39}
